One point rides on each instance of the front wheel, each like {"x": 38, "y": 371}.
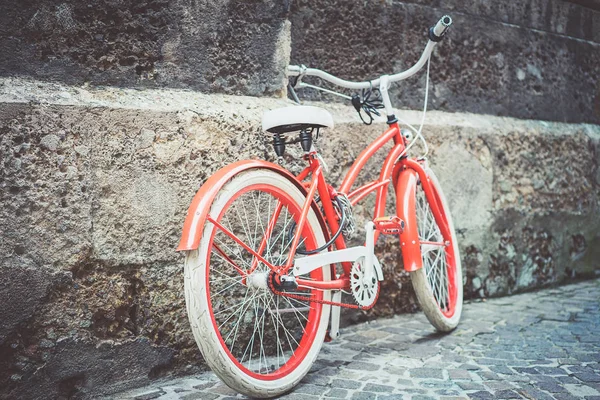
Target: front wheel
{"x": 257, "y": 342}
{"x": 438, "y": 285}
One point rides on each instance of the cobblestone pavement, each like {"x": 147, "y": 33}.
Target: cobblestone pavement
{"x": 542, "y": 345}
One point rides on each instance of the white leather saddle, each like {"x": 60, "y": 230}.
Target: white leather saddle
{"x": 296, "y": 118}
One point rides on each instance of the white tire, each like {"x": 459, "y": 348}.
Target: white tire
{"x": 221, "y": 353}
{"x": 432, "y": 283}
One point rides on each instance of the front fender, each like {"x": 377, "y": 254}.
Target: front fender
{"x": 405, "y": 205}
{"x": 200, "y": 206}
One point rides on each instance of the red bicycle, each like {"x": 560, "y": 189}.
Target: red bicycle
{"x": 266, "y": 254}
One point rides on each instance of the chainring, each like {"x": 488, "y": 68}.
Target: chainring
{"x": 365, "y": 293}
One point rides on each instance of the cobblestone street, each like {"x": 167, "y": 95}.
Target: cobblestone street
{"x": 541, "y": 345}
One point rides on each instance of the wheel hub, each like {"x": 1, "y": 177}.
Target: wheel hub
{"x": 257, "y": 280}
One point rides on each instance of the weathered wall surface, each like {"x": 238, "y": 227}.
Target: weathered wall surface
{"x": 527, "y": 59}
{"x": 239, "y": 47}
{"x": 95, "y": 186}
{"x": 537, "y": 59}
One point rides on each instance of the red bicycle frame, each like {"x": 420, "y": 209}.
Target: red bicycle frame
{"x": 402, "y": 172}
{"x": 393, "y": 166}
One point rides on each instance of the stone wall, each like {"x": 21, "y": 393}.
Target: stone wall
{"x": 95, "y": 186}
{"x": 536, "y": 59}
{"x": 527, "y": 59}
{"x": 237, "y": 46}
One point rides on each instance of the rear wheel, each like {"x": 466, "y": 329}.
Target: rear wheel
{"x": 438, "y": 285}
{"x": 258, "y": 343}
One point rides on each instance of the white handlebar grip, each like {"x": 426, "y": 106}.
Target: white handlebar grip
{"x": 442, "y": 26}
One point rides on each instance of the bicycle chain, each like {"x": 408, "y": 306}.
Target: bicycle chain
{"x": 329, "y": 302}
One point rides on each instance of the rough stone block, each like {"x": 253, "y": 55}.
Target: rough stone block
{"x": 217, "y": 46}
{"x": 519, "y": 59}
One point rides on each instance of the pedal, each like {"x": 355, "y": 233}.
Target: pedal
{"x": 389, "y": 225}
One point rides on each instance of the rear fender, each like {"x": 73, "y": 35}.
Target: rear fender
{"x": 202, "y": 201}
{"x": 405, "y": 206}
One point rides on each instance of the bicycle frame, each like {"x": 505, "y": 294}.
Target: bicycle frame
{"x": 397, "y": 169}
{"x": 393, "y": 166}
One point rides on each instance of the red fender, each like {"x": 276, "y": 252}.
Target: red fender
{"x": 405, "y": 206}
{"x": 200, "y": 206}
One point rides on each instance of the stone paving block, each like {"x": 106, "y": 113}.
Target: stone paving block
{"x": 588, "y": 377}
{"x": 550, "y": 387}
{"x": 470, "y": 385}
{"x": 393, "y": 370}
{"x": 363, "y": 396}
{"x": 361, "y": 339}
{"x": 363, "y": 366}
{"x": 437, "y": 384}
{"x": 447, "y": 392}
{"x": 502, "y": 370}
{"x": 310, "y": 389}
{"x": 567, "y": 379}
{"x": 348, "y": 373}
{"x": 454, "y": 398}
{"x": 594, "y": 366}
{"x": 531, "y": 392}
{"x": 551, "y": 371}
{"x": 528, "y": 371}
{"x": 298, "y": 396}
{"x": 317, "y": 379}
{"x": 470, "y": 367}
{"x": 427, "y": 373}
{"x": 345, "y": 384}
{"x": 153, "y": 394}
{"x": 415, "y": 391}
{"x": 488, "y": 375}
{"x": 581, "y": 390}
{"x": 205, "y": 385}
{"x": 586, "y": 357}
{"x": 535, "y": 363}
{"x": 329, "y": 371}
{"x": 518, "y": 378}
{"x": 579, "y": 369}
{"x": 459, "y": 374}
{"x": 517, "y": 363}
{"x": 481, "y": 395}
{"x": 404, "y": 383}
{"x": 507, "y": 394}
{"x": 565, "y": 396}
{"x": 200, "y": 396}
{"x": 337, "y": 393}
{"x": 223, "y": 389}
{"x": 372, "y": 387}
{"x": 491, "y": 361}
{"x": 393, "y": 396}
{"x": 498, "y": 385}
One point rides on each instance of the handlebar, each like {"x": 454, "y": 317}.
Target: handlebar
{"x": 440, "y": 29}
{"x": 436, "y": 33}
